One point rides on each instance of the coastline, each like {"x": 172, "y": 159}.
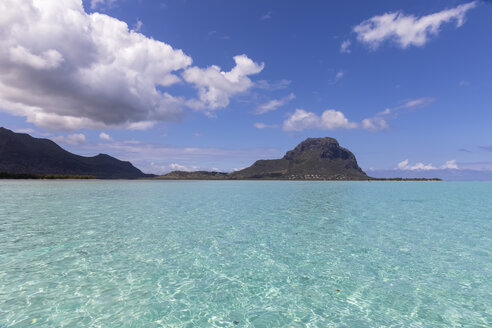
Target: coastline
{"x": 33, "y": 176}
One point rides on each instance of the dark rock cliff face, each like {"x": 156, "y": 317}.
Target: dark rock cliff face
{"x": 312, "y": 159}
{"x": 22, "y": 154}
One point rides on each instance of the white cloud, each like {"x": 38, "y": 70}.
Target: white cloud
{"x": 25, "y": 130}
{"x": 301, "y": 120}
{"x": 265, "y": 126}
{"x": 333, "y": 119}
{"x": 450, "y": 165}
{"x": 155, "y": 168}
{"x": 138, "y": 26}
{"x": 339, "y": 75}
{"x": 330, "y": 120}
{"x": 71, "y": 139}
{"x": 105, "y": 136}
{"x": 82, "y": 70}
{"x": 345, "y": 47}
{"x": 416, "y": 103}
{"x": 48, "y": 59}
{"x": 404, "y": 165}
{"x": 274, "y": 104}
{"x": 91, "y": 71}
{"x": 408, "y": 30}
{"x": 215, "y": 87}
{"x": 374, "y": 124}
{"x": 387, "y": 111}
{"x": 143, "y": 125}
{"x": 179, "y": 167}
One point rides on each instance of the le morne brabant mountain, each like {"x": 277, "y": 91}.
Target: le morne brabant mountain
{"x": 312, "y": 159}
{"x": 22, "y": 156}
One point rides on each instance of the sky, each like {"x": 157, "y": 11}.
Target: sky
{"x": 217, "y": 85}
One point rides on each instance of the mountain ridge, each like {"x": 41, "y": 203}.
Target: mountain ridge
{"x": 22, "y": 154}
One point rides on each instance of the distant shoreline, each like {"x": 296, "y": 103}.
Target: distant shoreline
{"x": 33, "y": 176}
{"x": 272, "y": 179}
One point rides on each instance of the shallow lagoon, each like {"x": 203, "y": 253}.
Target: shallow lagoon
{"x": 245, "y": 254}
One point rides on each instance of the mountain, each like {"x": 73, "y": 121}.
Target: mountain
{"x": 312, "y": 159}
{"x": 22, "y": 154}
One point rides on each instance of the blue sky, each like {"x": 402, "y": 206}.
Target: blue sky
{"x": 218, "y": 84}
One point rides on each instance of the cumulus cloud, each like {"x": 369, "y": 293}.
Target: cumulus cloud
{"x": 333, "y": 119}
{"x": 71, "y": 139}
{"x": 274, "y": 104}
{"x": 376, "y": 123}
{"x": 215, "y": 87}
{"x": 65, "y": 69}
{"x": 156, "y": 168}
{"x": 450, "y": 165}
{"x": 105, "y": 136}
{"x": 161, "y": 169}
{"x": 179, "y": 167}
{"x": 329, "y": 120}
{"x": 408, "y": 30}
{"x": 301, "y": 120}
{"x": 404, "y": 165}
{"x": 345, "y": 47}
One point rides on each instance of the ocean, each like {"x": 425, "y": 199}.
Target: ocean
{"x": 245, "y": 254}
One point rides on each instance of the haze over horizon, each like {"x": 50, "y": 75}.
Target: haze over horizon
{"x": 182, "y": 85}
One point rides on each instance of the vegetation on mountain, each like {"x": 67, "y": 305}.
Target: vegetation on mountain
{"x": 21, "y": 154}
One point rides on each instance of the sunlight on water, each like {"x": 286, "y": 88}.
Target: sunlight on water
{"x": 245, "y": 254}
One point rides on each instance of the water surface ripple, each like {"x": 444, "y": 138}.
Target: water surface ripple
{"x": 245, "y": 254}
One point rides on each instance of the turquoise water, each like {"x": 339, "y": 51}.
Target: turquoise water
{"x": 245, "y": 254}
